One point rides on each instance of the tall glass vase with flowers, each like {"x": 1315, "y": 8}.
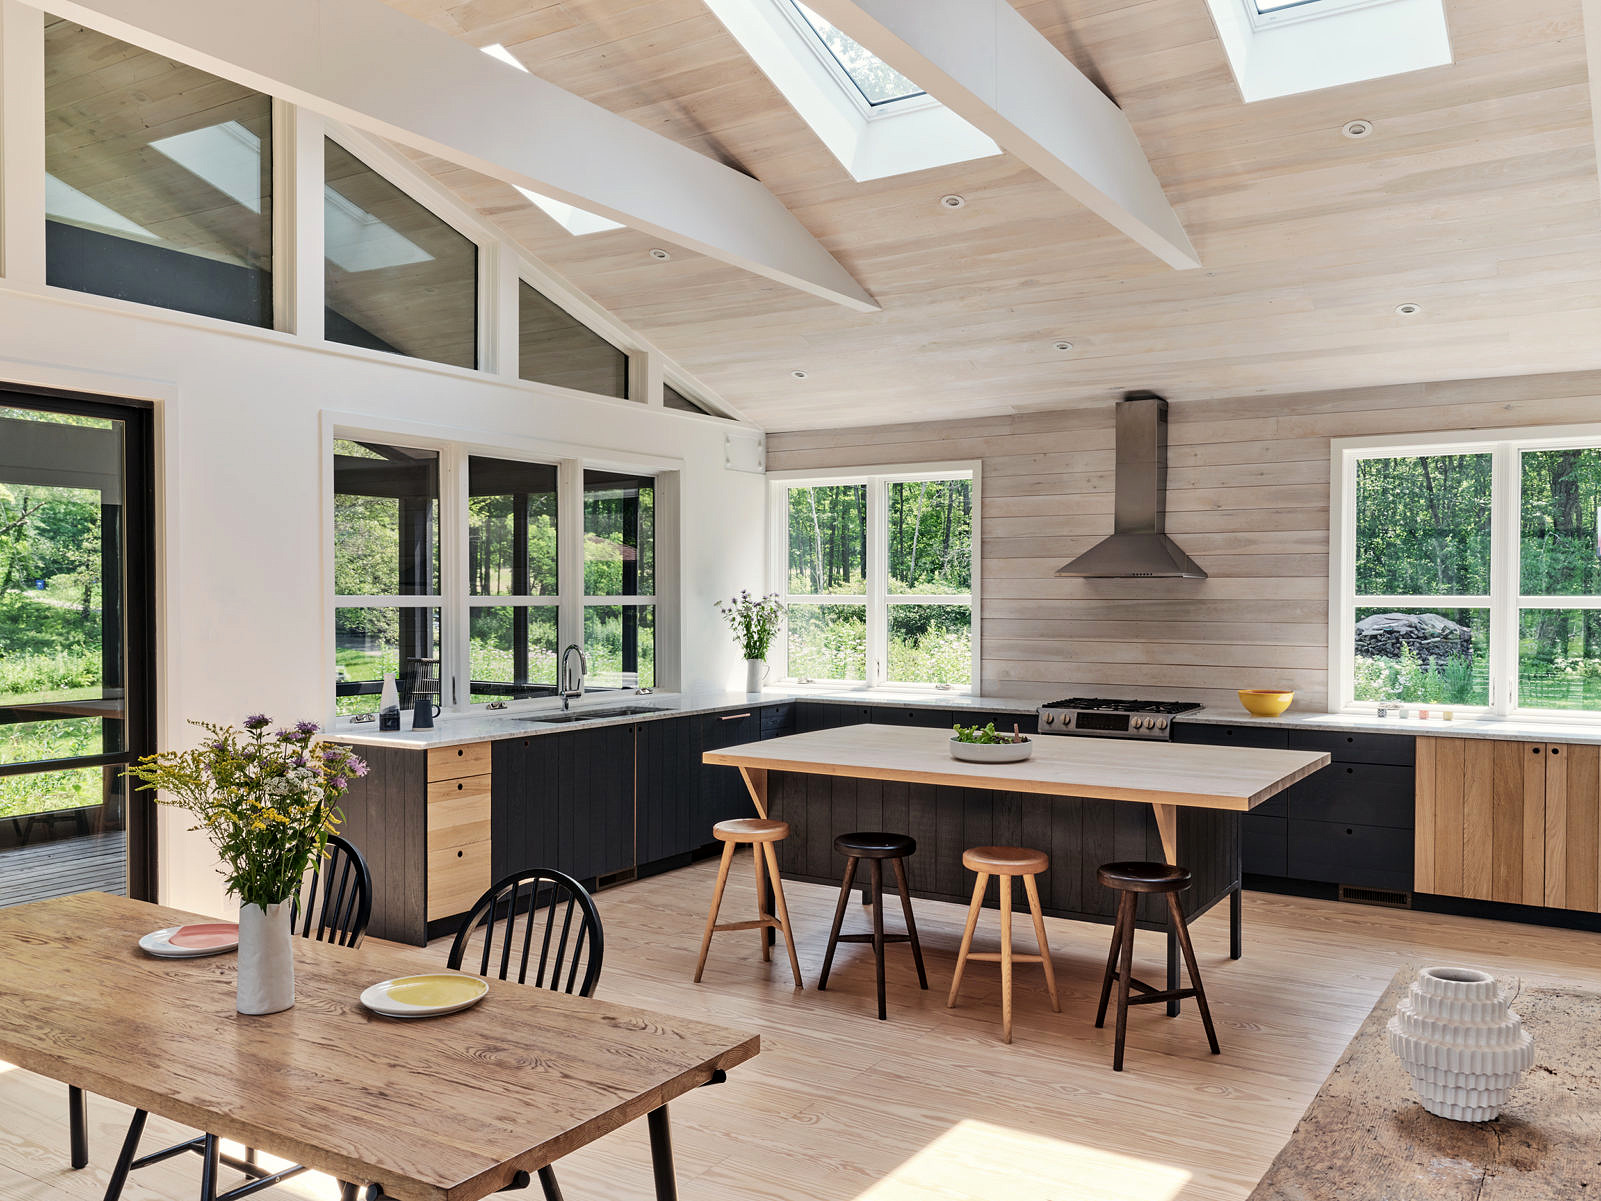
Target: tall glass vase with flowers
{"x": 755, "y": 622}
{"x": 267, "y": 801}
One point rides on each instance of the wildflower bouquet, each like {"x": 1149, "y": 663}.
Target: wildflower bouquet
{"x": 266, "y": 800}
{"x": 754, "y": 621}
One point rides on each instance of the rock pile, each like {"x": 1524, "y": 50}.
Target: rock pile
{"x": 1434, "y": 639}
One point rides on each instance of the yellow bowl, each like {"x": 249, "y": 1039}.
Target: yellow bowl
{"x": 1266, "y": 702}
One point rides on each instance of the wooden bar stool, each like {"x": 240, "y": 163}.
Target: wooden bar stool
{"x": 761, "y": 833}
{"x": 1130, "y": 880}
{"x": 1005, "y": 863}
{"x": 875, "y": 847}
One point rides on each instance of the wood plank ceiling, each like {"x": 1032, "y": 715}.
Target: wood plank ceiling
{"x": 1476, "y": 196}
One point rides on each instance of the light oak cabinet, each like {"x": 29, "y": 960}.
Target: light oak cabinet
{"x": 457, "y": 828}
{"x": 1513, "y": 822}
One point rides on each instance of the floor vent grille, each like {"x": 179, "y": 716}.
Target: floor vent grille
{"x": 625, "y": 876}
{"x": 1385, "y": 897}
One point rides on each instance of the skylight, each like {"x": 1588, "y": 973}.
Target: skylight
{"x": 877, "y": 81}
{"x": 64, "y": 202}
{"x": 226, "y": 156}
{"x": 355, "y": 240}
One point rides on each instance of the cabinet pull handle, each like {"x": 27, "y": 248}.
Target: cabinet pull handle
{"x": 734, "y": 716}
{"x": 458, "y": 787}
{"x": 458, "y": 853}
{"x": 1534, "y": 750}
{"x": 1556, "y": 750}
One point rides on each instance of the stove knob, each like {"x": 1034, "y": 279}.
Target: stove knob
{"x": 1049, "y": 719}
{"x": 1161, "y": 723}
{"x": 1139, "y": 723}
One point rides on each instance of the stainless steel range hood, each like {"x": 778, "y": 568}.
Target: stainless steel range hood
{"x": 1138, "y": 547}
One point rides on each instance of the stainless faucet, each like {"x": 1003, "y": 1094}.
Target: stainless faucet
{"x": 569, "y": 683}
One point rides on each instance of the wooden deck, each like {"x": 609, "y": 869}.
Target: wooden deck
{"x": 88, "y": 862}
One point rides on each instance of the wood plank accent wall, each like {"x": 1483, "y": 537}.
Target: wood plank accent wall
{"x": 1248, "y": 498}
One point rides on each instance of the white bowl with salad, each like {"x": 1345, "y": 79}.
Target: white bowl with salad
{"x": 986, "y": 744}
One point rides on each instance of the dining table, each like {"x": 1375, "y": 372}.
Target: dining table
{"x": 443, "y": 1108}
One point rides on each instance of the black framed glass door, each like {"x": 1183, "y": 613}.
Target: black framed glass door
{"x": 77, "y": 645}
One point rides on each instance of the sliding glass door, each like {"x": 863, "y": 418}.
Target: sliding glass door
{"x": 76, "y": 646}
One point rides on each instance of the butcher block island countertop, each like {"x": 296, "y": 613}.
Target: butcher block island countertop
{"x": 1156, "y": 773}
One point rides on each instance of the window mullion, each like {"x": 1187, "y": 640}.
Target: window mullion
{"x": 1505, "y": 501}
{"x": 877, "y": 581}
{"x": 569, "y": 555}
{"x": 454, "y": 620}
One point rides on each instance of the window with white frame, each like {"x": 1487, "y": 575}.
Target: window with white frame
{"x": 466, "y": 574}
{"x": 877, "y": 574}
{"x": 1467, "y": 572}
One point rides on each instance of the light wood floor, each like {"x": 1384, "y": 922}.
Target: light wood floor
{"x": 930, "y": 1106}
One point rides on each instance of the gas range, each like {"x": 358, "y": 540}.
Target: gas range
{"x": 1107, "y": 718}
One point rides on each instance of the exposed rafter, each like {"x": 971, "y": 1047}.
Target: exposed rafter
{"x": 984, "y": 61}
{"x": 364, "y": 63}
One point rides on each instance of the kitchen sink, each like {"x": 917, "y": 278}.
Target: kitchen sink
{"x": 560, "y": 719}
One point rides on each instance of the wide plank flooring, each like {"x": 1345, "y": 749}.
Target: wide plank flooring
{"x": 931, "y": 1106}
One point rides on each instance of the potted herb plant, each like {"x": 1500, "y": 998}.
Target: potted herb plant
{"x": 755, "y": 622}
{"x": 268, "y": 802}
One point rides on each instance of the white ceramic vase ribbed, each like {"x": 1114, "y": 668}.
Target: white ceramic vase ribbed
{"x": 1460, "y": 1042}
{"x": 266, "y": 959}
{"x": 755, "y": 674}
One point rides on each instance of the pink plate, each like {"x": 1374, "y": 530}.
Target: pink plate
{"x": 206, "y": 934}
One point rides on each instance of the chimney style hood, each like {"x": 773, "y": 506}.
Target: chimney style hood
{"x": 1138, "y": 547}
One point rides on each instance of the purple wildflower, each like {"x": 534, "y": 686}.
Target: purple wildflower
{"x": 358, "y": 767}
{"x": 306, "y": 727}
{"x": 339, "y": 783}
{"x": 257, "y": 721}
{"x": 299, "y": 761}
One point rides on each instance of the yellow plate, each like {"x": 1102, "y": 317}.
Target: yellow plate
{"x": 424, "y": 996}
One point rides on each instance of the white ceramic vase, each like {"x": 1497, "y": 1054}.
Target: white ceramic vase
{"x": 1460, "y": 1042}
{"x": 755, "y": 674}
{"x": 266, "y": 959}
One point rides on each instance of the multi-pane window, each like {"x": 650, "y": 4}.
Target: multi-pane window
{"x": 396, "y": 277}
{"x": 877, "y": 579}
{"x": 1470, "y": 575}
{"x": 387, "y": 603}
{"x": 554, "y": 347}
{"x": 513, "y": 579}
{"x": 158, "y": 179}
{"x": 620, "y": 578}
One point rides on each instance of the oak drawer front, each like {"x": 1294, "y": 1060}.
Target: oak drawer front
{"x": 459, "y": 818}
{"x": 457, "y": 876}
{"x": 1367, "y": 794}
{"x": 1397, "y": 748}
{"x": 455, "y": 790}
{"x": 1335, "y": 853}
{"x": 1264, "y": 844}
{"x": 453, "y": 762}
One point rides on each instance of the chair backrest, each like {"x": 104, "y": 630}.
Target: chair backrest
{"x": 335, "y": 903}
{"x": 559, "y": 918}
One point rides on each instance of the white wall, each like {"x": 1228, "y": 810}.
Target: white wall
{"x": 243, "y": 582}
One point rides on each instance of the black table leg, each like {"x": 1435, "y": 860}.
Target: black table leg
{"x": 1237, "y": 922}
{"x": 661, "y": 1155}
{"x": 1172, "y": 967}
{"x": 548, "y": 1184}
{"x": 78, "y": 1125}
{"x": 208, "y": 1169}
{"x": 130, "y": 1148}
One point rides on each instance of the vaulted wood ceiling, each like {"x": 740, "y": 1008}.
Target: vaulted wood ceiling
{"x": 1476, "y": 197}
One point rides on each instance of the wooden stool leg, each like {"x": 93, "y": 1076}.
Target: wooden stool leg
{"x": 1006, "y": 958}
{"x": 717, "y": 903}
{"x": 877, "y": 866}
{"x": 1195, "y": 974}
{"x": 1124, "y": 975}
{"x": 967, "y": 936}
{"x": 1032, "y": 888}
{"x": 783, "y": 912}
{"x": 839, "y": 920}
{"x": 761, "y": 900}
{"x": 911, "y": 926}
{"x": 1118, "y": 935}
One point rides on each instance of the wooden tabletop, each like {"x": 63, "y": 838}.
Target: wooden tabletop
{"x": 441, "y": 1109}
{"x": 1159, "y": 773}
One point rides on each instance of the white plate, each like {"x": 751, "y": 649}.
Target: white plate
{"x": 425, "y": 996}
{"x": 159, "y": 942}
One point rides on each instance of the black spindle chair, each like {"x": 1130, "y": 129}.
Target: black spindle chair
{"x": 560, "y": 919}
{"x": 334, "y": 905}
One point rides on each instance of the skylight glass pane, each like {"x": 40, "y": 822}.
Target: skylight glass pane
{"x": 878, "y": 82}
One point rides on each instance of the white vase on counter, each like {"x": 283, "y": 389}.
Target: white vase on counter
{"x": 266, "y": 959}
{"x": 1461, "y": 1043}
{"x": 755, "y": 674}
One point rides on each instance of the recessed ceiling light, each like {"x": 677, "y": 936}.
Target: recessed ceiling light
{"x": 952, "y": 201}
{"x": 660, "y": 255}
{"x": 1064, "y": 346}
{"x": 798, "y": 374}
{"x": 1356, "y": 130}
{"x": 1409, "y": 309}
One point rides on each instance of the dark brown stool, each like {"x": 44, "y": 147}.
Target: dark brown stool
{"x": 1129, "y": 880}
{"x": 1004, "y": 863}
{"x": 760, "y": 834}
{"x": 875, "y": 847}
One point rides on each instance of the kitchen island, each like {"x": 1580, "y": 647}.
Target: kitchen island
{"x": 1084, "y": 801}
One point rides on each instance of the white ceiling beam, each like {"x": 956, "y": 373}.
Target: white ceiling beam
{"x": 984, "y": 61}
{"x": 372, "y": 67}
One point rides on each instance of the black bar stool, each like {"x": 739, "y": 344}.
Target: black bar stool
{"x": 1129, "y": 880}
{"x": 875, "y": 847}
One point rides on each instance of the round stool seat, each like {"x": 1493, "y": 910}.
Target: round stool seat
{"x": 876, "y": 844}
{"x": 1005, "y": 861}
{"x": 750, "y": 829}
{"x": 1143, "y": 877}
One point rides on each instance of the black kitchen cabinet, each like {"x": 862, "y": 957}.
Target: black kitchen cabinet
{"x": 667, "y": 754}
{"x": 565, "y": 801}
{"x": 826, "y": 715}
{"x": 720, "y": 792}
